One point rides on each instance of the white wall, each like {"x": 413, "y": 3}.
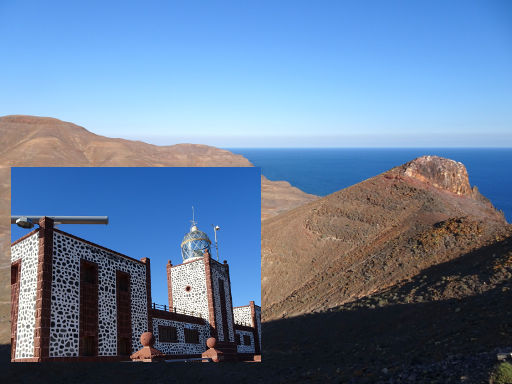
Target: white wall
{"x": 65, "y": 304}
{"x": 181, "y": 348}
{"x": 191, "y": 274}
{"x": 28, "y": 251}
{"x": 219, "y": 272}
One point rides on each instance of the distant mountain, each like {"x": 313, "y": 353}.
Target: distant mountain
{"x": 44, "y": 141}
{"x": 372, "y": 235}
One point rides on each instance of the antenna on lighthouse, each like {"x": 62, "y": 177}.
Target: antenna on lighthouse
{"x": 215, "y": 229}
{"x": 193, "y": 221}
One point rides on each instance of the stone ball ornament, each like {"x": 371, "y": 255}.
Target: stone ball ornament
{"x": 211, "y": 342}
{"x": 147, "y": 339}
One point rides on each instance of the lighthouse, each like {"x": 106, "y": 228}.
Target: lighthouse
{"x": 202, "y": 285}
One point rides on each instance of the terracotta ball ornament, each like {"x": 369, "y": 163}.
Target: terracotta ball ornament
{"x": 147, "y": 353}
{"x": 147, "y": 339}
{"x": 211, "y": 342}
{"x": 211, "y": 353}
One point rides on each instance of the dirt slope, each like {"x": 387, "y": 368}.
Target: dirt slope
{"x": 445, "y": 325}
{"x": 372, "y": 235}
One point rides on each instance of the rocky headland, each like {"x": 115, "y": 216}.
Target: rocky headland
{"x": 372, "y": 235}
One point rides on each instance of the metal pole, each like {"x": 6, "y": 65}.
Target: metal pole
{"x": 215, "y": 229}
{"x": 66, "y": 219}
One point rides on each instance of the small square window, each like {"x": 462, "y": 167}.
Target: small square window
{"x": 167, "y": 334}
{"x": 191, "y": 336}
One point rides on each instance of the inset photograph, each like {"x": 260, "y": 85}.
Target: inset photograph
{"x": 135, "y": 264}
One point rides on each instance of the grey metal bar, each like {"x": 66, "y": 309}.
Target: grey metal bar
{"x": 205, "y": 359}
{"x": 66, "y": 219}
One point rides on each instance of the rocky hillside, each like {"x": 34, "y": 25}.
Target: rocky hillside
{"x": 43, "y": 141}
{"x": 444, "y": 325}
{"x": 372, "y": 235}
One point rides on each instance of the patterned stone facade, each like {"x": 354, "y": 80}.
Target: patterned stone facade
{"x": 243, "y": 315}
{"x": 241, "y": 346}
{"x": 65, "y": 307}
{"x": 27, "y": 250}
{"x": 219, "y": 272}
{"x": 257, "y": 316}
{"x": 189, "y": 292}
{"x": 180, "y": 347}
{"x": 250, "y": 315}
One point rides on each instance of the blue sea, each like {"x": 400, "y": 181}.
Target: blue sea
{"x": 322, "y": 171}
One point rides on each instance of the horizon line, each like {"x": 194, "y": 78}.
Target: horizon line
{"x": 441, "y": 147}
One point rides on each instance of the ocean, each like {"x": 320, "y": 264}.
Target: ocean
{"x": 322, "y": 171}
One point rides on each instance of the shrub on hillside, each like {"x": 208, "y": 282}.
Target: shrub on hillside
{"x": 502, "y": 374}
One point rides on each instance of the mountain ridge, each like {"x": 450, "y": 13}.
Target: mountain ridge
{"x": 27, "y": 140}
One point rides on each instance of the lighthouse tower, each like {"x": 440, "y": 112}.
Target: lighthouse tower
{"x": 201, "y": 285}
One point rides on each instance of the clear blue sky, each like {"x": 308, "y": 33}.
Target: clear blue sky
{"x": 265, "y": 73}
{"x": 150, "y": 212}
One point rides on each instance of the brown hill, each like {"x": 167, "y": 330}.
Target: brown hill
{"x": 43, "y": 141}
{"x": 372, "y": 235}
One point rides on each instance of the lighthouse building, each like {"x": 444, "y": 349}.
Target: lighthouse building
{"x": 75, "y": 300}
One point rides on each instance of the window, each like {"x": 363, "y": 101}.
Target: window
{"x": 167, "y": 334}
{"x": 124, "y": 346}
{"x": 247, "y": 340}
{"x": 222, "y": 294}
{"x": 124, "y": 323}
{"x": 191, "y": 336}
{"x": 14, "y": 273}
{"x": 88, "y": 346}
{"x": 89, "y": 273}
{"x": 123, "y": 282}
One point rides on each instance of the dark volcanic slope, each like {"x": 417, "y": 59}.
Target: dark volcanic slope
{"x": 43, "y": 141}
{"x": 445, "y": 325}
{"x": 372, "y": 235}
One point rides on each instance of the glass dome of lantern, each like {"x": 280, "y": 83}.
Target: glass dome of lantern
{"x": 194, "y": 244}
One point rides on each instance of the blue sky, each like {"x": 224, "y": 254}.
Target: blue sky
{"x": 265, "y": 73}
{"x": 150, "y": 211}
